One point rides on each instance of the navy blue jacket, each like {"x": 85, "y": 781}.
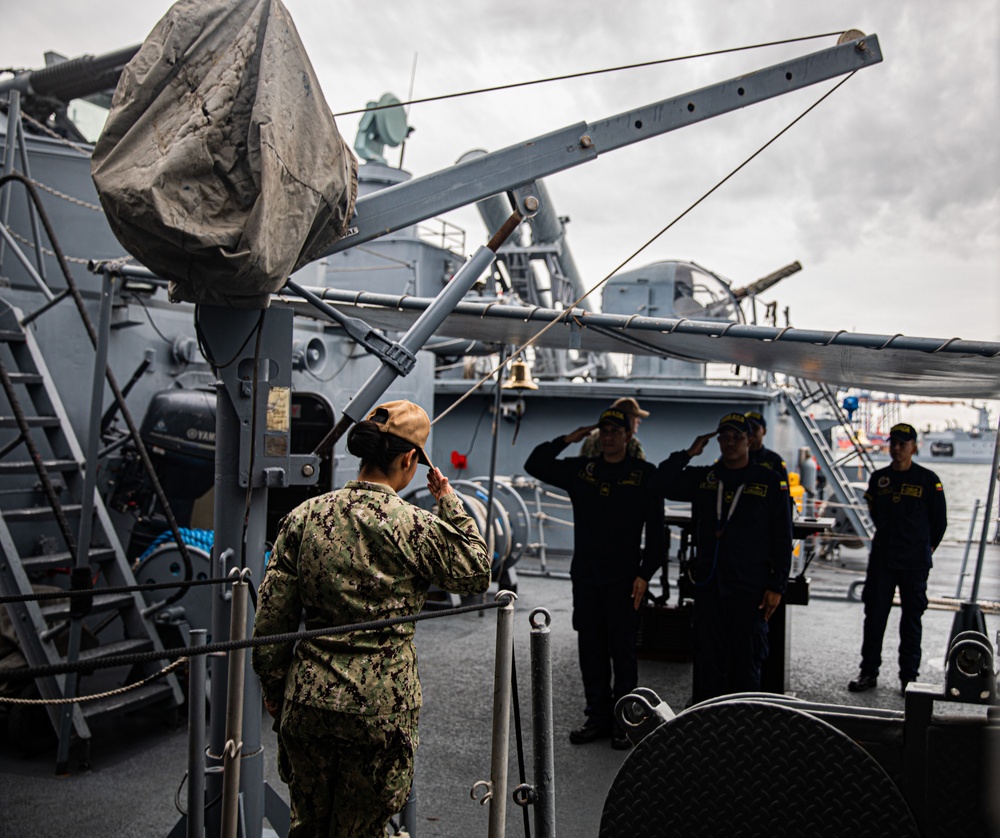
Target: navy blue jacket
{"x": 749, "y": 550}
{"x": 772, "y": 460}
{"x": 910, "y": 516}
{"x": 612, "y": 502}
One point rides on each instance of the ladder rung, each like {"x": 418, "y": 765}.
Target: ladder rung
{"x": 32, "y": 421}
{"x": 50, "y": 561}
{"x": 28, "y": 467}
{"x": 39, "y": 513}
{"x": 102, "y": 603}
{"x": 120, "y": 647}
{"x": 10, "y": 336}
{"x": 25, "y": 377}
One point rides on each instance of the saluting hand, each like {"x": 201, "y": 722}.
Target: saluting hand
{"x": 578, "y": 434}
{"x": 437, "y": 483}
{"x": 699, "y": 443}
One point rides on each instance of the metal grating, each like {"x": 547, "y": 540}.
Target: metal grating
{"x": 752, "y": 768}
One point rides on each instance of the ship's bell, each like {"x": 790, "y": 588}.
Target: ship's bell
{"x": 520, "y": 377}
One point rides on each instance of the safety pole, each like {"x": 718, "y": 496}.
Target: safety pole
{"x": 968, "y": 544}
{"x": 541, "y": 723}
{"x": 234, "y": 714}
{"x": 491, "y": 486}
{"x": 501, "y": 715}
{"x": 974, "y": 596}
{"x": 196, "y": 738}
{"x": 408, "y": 816}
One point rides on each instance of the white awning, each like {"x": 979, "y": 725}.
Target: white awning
{"x": 952, "y": 368}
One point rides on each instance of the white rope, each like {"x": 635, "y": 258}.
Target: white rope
{"x": 80, "y": 699}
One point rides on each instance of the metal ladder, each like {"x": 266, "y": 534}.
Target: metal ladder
{"x": 41, "y": 514}
{"x": 811, "y": 393}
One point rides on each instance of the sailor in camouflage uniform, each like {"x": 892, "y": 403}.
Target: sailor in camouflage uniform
{"x": 348, "y": 704}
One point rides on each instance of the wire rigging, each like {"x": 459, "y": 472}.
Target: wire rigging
{"x": 530, "y": 341}
{"x": 584, "y": 74}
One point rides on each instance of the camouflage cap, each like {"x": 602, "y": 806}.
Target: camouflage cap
{"x": 406, "y": 420}
{"x": 630, "y": 406}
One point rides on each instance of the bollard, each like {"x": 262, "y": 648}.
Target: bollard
{"x": 501, "y": 715}
{"x": 234, "y": 715}
{"x": 196, "y": 738}
{"x": 541, "y": 711}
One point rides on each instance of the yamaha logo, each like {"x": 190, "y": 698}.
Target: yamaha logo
{"x": 200, "y": 436}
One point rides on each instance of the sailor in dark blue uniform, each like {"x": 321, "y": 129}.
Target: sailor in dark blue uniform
{"x": 743, "y": 536}
{"x": 614, "y": 499}
{"x": 758, "y": 453}
{"x": 908, "y": 509}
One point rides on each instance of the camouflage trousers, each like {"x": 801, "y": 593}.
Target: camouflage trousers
{"x": 347, "y": 774}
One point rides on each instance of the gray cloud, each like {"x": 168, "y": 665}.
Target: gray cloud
{"x": 898, "y": 173}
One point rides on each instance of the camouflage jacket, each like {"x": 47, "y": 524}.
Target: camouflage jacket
{"x": 592, "y": 447}
{"x": 356, "y": 555}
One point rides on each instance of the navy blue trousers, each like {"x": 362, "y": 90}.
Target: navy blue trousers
{"x": 606, "y": 625}
{"x": 880, "y": 585}
{"x": 730, "y": 642}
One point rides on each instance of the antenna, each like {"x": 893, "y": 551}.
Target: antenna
{"x": 409, "y": 98}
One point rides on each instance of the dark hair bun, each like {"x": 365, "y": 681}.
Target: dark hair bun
{"x": 376, "y": 447}
{"x": 366, "y": 441}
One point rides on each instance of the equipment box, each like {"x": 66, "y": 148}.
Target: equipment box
{"x": 664, "y": 632}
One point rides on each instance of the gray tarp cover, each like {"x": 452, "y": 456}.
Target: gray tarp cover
{"x": 220, "y": 167}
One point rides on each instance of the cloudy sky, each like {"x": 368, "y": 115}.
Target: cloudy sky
{"x": 888, "y": 193}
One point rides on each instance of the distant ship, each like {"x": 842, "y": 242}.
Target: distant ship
{"x": 961, "y": 445}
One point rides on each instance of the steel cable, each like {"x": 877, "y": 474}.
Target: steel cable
{"x": 89, "y": 666}
{"x": 584, "y": 74}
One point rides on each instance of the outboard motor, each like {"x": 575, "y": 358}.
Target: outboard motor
{"x": 178, "y": 431}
